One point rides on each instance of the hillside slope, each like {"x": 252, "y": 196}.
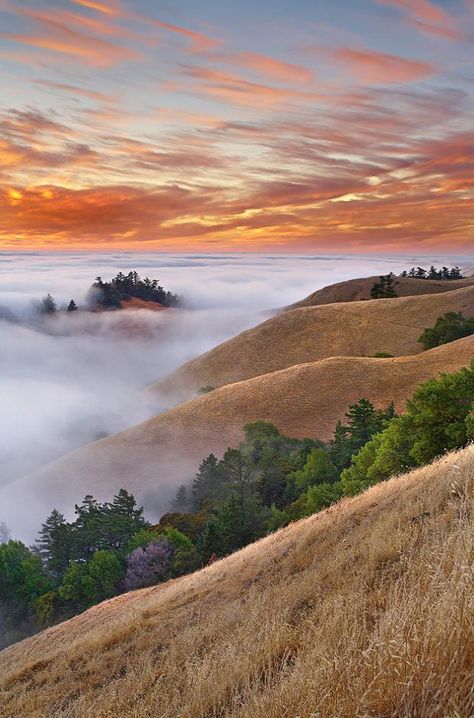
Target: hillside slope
{"x": 304, "y": 400}
{"x": 313, "y": 333}
{"x": 365, "y": 609}
{"x": 354, "y": 290}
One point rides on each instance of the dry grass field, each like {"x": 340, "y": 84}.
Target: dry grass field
{"x": 303, "y": 400}
{"x": 354, "y": 290}
{"x": 312, "y": 333}
{"x": 364, "y": 610}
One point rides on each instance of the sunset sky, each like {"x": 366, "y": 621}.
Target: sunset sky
{"x": 310, "y": 125}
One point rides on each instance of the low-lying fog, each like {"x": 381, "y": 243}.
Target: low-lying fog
{"x": 74, "y": 378}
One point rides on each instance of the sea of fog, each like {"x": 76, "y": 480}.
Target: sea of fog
{"x": 74, "y": 379}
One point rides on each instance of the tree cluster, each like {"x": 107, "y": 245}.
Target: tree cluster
{"x": 107, "y": 549}
{"x": 265, "y": 483}
{"x": 123, "y": 287}
{"x": 448, "y": 328}
{"x": 433, "y": 273}
{"x": 384, "y": 288}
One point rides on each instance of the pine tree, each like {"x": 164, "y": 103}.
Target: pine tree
{"x": 122, "y": 519}
{"x": 363, "y": 423}
{"x": 385, "y": 288}
{"x": 341, "y": 447}
{"x": 207, "y": 485}
{"x": 180, "y": 503}
{"x": 72, "y": 306}
{"x": 54, "y": 544}
{"x": 48, "y": 305}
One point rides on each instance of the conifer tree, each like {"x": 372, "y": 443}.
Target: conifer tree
{"x": 54, "y": 544}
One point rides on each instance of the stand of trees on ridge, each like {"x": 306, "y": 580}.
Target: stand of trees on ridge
{"x": 385, "y": 288}
{"x": 433, "y": 273}
{"x": 110, "y": 295}
{"x": 265, "y": 483}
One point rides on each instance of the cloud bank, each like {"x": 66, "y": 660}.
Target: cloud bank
{"x": 75, "y": 378}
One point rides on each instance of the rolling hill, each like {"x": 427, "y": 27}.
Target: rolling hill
{"x": 362, "y": 610}
{"x": 303, "y": 400}
{"x": 308, "y": 334}
{"x": 354, "y": 290}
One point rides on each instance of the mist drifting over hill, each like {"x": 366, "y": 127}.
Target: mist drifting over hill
{"x": 73, "y": 379}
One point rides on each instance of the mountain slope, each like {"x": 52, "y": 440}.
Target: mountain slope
{"x": 313, "y": 333}
{"x": 362, "y": 610}
{"x": 354, "y": 290}
{"x": 304, "y": 400}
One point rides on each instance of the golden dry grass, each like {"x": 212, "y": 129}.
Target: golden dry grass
{"x": 365, "y": 610}
{"x": 308, "y": 334}
{"x": 355, "y": 290}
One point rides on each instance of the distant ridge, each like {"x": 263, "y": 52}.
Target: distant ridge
{"x": 308, "y": 334}
{"x": 354, "y": 290}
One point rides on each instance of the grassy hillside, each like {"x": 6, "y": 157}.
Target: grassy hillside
{"x": 362, "y": 610}
{"x": 355, "y": 290}
{"x": 304, "y": 400}
{"x": 313, "y": 333}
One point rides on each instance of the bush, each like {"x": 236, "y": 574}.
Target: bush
{"x": 448, "y": 328}
{"x": 206, "y": 389}
{"x": 147, "y": 565}
{"x": 383, "y": 355}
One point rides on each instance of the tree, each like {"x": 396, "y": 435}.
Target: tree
{"x": 439, "y": 418}
{"x": 181, "y": 502}
{"x": 185, "y": 556}
{"x": 320, "y": 496}
{"x": 87, "y": 529}
{"x": 318, "y": 469}
{"x": 48, "y": 305}
{"x": 207, "y": 486}
{"x": 364, "y": 421}
{"x": 54, "y": 544}
{"x": 448, "y": 328}
{"x": 72, "y": 306}
{"x": 22, "y": 582}
{"x": 121, "y": 520}
{"x": 384, "y": 288}
{"x": 440, "y": 411}
{"x": 147, "y": 565}
{"x": 341, "y": 447}
{"x": 95, "y": 580}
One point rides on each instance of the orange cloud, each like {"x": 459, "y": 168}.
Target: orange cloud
{"x": 426, "y": 17}
{"x": 78, "y": 91}
{"x": 235, "y": 89}
{"x": 283, "y": 71}
{"x": 199, "y": 41}
{"x": 58, "y": 36}
{"x": 107, "y": 8}
{"x": 380, "y": 67}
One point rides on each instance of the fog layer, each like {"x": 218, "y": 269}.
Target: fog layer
{"x": 74, "y": 378}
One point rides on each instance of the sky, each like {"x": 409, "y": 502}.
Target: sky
{"x": 223, "y": 126}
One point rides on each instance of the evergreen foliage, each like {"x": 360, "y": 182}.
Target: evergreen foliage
{"x": 384, "y": 288}
{"x": 433, "y": 273}
{"x": 265, "y": 483}
{"x": 109, "y": 295}
{"x": 48, "y": 305}
{"x": 448, "y": 328}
